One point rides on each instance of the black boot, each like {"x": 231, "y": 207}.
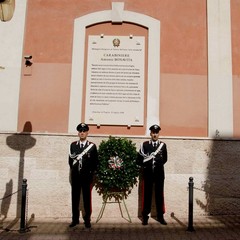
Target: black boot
{"x": 73, "y": 224}
{"x": 161, "y": 220}
{"x": 145, "y": 220}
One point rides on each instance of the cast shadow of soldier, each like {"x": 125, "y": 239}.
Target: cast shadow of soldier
{"x": 19, "y": 142}
{"x": 6, "y": 201}
{"x": 222, "y": 188}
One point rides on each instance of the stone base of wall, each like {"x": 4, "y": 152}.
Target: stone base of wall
{"x": 43, "y": 161}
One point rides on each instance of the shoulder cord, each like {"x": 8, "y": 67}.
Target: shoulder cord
{"x": 152, "y": 155}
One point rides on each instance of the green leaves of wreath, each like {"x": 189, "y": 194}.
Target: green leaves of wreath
{"x": 117, "y": 170}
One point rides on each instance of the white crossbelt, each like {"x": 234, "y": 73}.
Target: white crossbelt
{"x": 78, "y": 158}
{"x": 152, "y": 155}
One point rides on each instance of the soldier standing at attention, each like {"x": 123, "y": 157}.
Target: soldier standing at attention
{"x": 151, "y": 157}
{"x": 83, "y": 160}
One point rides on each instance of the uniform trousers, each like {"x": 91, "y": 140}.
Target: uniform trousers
{"x": 153, "y": 180}
{"x": 81, "y": 182}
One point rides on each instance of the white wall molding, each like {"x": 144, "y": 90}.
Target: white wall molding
{"x": 153, "y": 73}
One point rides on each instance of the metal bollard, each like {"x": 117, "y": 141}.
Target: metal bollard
{"x": 23, "y": 207}
{"x": 190, "y": 206}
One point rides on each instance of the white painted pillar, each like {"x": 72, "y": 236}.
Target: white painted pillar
{"x": 220, "y": 111}
{"x": 11, "y": 47}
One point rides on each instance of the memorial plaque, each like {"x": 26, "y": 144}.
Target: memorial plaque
{"x": 115, "y": 80}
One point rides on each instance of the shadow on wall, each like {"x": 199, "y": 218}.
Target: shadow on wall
{"x": 222, "y": 185}
{"x": 6, "y": 201}
{"x": 20, "y": 142}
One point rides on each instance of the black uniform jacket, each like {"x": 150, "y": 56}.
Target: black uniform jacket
{"x": 156, "y": 163}
{"x": 89, "y": 159}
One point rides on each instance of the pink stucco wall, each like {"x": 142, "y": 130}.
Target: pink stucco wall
{"x": 44, "y": 95}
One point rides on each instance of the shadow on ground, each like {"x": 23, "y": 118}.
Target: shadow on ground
{"x": 227, "y": 227}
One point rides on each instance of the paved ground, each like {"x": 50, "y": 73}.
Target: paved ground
{"x": 205, "y": 228}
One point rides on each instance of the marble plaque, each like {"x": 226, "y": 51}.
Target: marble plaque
{"x": 115, "y": 80}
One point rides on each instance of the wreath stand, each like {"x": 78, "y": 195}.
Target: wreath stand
{"x": 120, "y": 195}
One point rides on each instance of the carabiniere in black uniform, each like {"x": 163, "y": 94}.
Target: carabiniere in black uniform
{"x": 83, "y": 160}
{"x": 151, "y": 157}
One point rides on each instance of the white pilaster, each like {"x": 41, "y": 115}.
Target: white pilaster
{"x": 11, "y": 47}
{"x": 220, "y": 112}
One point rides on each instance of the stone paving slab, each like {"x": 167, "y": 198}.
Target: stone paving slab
{"x": 205, "y": 228}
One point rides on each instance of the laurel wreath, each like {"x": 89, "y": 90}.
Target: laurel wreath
{"x": 117, "y": 170}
